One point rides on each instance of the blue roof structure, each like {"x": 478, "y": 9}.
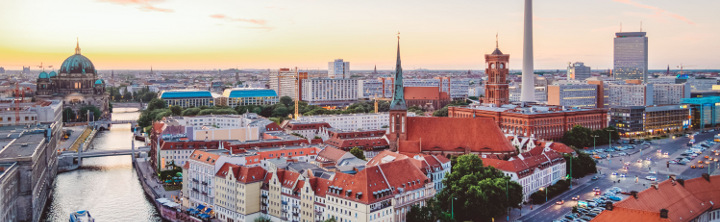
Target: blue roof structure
{"x": 43, "y": 75}
{"x": 77, "y": 64}
{"x": 185, "y": 94}
{"x": 98, "y": 82}
{"x": 249, "y": 93}
{"x": 52, "y": 74}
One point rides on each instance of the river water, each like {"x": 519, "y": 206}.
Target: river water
{"x": 108, "y": 187}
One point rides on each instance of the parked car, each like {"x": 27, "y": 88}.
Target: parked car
{"x": 651, "y": 178}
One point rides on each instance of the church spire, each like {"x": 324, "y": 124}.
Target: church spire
{"x": 398, "y": 102}
{"x": 77, "y": 47}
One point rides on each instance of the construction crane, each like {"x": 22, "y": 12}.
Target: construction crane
{"x": 43, "y": 67}
{"x": 297, "y": 77}
{"x": 18, "y": 91}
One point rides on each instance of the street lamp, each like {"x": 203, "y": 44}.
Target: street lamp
{"x": 610, "y": 137}
{"x": 594, "y": 137}
{"x": 452, "y": 207}
{"x": 546, "y": 193}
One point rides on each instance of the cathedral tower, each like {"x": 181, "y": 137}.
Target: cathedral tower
{"x": 398, "y": 107}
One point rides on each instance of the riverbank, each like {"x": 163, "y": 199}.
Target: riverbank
{"x": 166, "y": 202}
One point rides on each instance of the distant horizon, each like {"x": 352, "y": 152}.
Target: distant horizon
{"x": 309, "y": 34}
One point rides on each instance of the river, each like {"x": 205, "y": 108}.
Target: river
{"x": 108, "y": 187}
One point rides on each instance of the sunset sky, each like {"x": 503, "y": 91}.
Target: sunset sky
{"x": 453, "y": 34}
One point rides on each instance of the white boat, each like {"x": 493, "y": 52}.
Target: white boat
{"x": 81, "y": 216}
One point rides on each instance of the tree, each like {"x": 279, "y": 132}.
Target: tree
{"x": 286, "y": 100}
{"x": 332, "y": 219}
{"x": 582, "y": 164}
{"x": 280, "y": 112}
{"x": 176, "y": 110}
{"x": 262, "y": 219}
{"x": 191, "y": 111}
{"x": 68, "y": 115}
{"x": 474, "y": 186}
{"x": 156, "y": 104}
{"x": 441, "y": 112}
{"x": 431, "y": 212}
{"x": 83, "y": 113}
{"x": 357, "y": 152}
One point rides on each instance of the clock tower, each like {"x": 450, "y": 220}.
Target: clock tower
{"x": 496, "y": 86}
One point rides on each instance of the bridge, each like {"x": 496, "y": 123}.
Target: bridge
{"x": 101, "y": 153}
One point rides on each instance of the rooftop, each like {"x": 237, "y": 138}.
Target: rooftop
{"x": 24, "y": 146}
{"x": 185, "y": 94}
{"x": 249, "y": 93}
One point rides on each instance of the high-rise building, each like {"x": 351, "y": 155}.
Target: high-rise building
{"x": 338, "y": 69}
{"x": 578, "y": 71}
{"x": 327, "y": 91}
{"x": 283, "y": 82}
{"x": 573, "y": 94}
{"x": 631, "y": 56}
{"x": 496, "y": 86}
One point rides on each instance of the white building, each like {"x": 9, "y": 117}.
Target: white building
{"x": 30, "y": 113}
{"x": 573, "y": 94}
{"x": 283, "y": 82}
{"x": 327, "y": 91}
{"x": 646, "y": 94}
{"x": 338, "y": 69}
{"x": 532, "y": 172}
{"x": 375, "y": 88}
{"x": 669, "y": 94}
{"x": 476, "y": 91}
{"x": 578, "y": 71}
{"x": 351, "y": 122}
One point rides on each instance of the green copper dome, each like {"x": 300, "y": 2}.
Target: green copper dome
{"x": 77, "y": 64}
{"x": 98, "y": 82}
{"x": 52, "y": 74}
{"x": 43, "y": 75}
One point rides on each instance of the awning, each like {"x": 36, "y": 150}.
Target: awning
{"x": 208, "y": 210}
{"x": 200, "y": 207}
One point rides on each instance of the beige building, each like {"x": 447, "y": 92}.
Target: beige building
{"x": 237, "y": 192}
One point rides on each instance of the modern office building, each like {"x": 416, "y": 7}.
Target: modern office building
{"x": 338, "y": 69}
{"x": 667, "y": 94}
{"x": 374, "y": 88}
{"x": 327, "y": 91}
{"x": 578, "y": 71}
{"x": 573, "y": 94}
{"x": 248, "y": 96}
{"x": 188, "y": 98}
{"x": 631, "y": 56}
{"x": 705, "y": 111}
{"x": 634, "y": 121}
{"x": 646, "y": 94}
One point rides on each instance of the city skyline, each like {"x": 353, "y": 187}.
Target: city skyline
{"x": 136, "y": 34}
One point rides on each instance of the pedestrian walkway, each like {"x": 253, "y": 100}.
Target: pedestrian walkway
{"x": 150, "y": 178}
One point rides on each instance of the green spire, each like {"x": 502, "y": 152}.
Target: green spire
{"x": 398, "y": 102}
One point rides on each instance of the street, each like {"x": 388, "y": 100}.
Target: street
{"x": 635, "y": 172}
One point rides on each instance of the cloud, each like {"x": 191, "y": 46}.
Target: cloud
{"x": 658, "y": 11}
{"x": 260, "y": 23}
{"x": 145, "y": 5}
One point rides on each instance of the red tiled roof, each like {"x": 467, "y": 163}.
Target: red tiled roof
{"x": 561, "y": 147}
{"x": 454, "y": 134}
{"x": 320, "y": 186}
{"x": 305, "y": 126}
{"x": 330, "y": 154}
{"x": 623, "y": 214}
{"x": 158, "y": 127}
{"x": 359, "y": 142}
{"x": 366, "y": 181}
{"x": 377, "y": 159}
{"x": 205, "y": 157}
{"x": 422, "y": 93}
{"x": 684, "y": 203}
{"x": 400, "y": 174}
{"x": 241, "y": 173}
{"x": 187, "y": 165}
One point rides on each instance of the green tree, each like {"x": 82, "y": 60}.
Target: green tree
{"x": 127, "y": 96}
{"x": 262, "y": 219}
{"x": 191, "y": 111}
{"x": 441, "y": 112}
{"x": 176, "y": 110}
{"x": 431, "y": 212}
{"x": 286, "y": 100}
{"x": 156, "y": 104}
{"x": 280, "y": 112}
{"x": 332, "y": 219}
{"x": 357, "y": 152}
{"x": 68, "y": 115}
{"x": 582, "y": 164}
{"x": 475, "y": 186}
{"x": 83, "y": 112}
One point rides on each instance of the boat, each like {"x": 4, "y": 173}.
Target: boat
{"x": 81, "y": 216}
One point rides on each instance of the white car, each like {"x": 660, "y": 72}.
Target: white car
{"x": 651, "y": 178}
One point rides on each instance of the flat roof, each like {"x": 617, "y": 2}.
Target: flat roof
{"x": 24, "y": 146}
{"x": 249, "y": 93}
{"x": 186, "y": 94}
{"x": 529, "y": 110}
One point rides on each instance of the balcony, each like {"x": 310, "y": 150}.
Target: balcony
{"x": 195, "y": 180}
{"x": 204, "y": 183}
{"x": 284, "y": 202}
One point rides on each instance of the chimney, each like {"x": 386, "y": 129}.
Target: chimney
{"x": 634, "y": 194}
{"x": 609, "y": 205}
{"x": 655, "y": 185}
{"x": 681, "y": 182}
{"x": 706, "y": 176}
{"x": 664, "y": 213}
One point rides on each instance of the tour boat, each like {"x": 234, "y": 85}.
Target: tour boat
{"x": 81, "y": 216}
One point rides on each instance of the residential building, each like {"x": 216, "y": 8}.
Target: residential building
{"x": 9, "y": 191}
{"x": 578, "y": 71}
{"x": 538, "y": 121}
{"x": 701, "y": 84}
{"x": 667, "y": 94}
{"x": 238, "y": 192}
{"x": 602, "y": 92}
{"x": 670, "y": 200}
{"x": 455, "y": 88}
{"x": 533, "y": 170}
{"x": 188, "y": 98}
{"x": 573, "y": 94}
{"x": 370, "y": 141}
{"x": 200, "y": 173}
{"x": 305, "y": 129}
{"x": 286, "y": 82}
{"x": 435, "y": 167}
{"x": 631, "y": 56}
{"x": 338, "y": 69}
{"x": 374, "y": 88}
{"x": 250, "y": 96}
{"x": 646, "y": 94}
{"x": 350, "y": 122}
{"x": 327, "y": 91}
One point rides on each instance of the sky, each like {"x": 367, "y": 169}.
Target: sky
{"x": 452, "y": 34}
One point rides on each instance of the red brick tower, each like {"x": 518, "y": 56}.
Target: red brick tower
{"x": 496, "y": 86}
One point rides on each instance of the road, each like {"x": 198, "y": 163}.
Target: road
{"x": 657, "y": 164}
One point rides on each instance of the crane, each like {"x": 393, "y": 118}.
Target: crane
{"x": 18, "y": 91}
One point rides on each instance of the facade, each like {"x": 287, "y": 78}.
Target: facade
{"x": 533, "y": 170}
{"x": 666, "y": 94}
{"x": 30, "y": 113}
{"x": 188, "y": 98}
{"x": 327, "y": 91}
{"x": 701, "y": 84}
{"x": 429, "y": 98}
{"x": 28, "y": 166}
{"x": 238, "y": 192}
{"x": 285, "y": 82}
{"x": 374, "y": 88}
{"x": 76, "y": 84}
{"x": 351, "y": 122}
{"x": 705, "y": 111}
{"x": 200, "y": 175}
{"x": 496, "y": 87}
{"x": 249, "y": 96}
{"x": 541, "y": 122}
{"x": 631, "y": 56}
{"x": 578, "y": 71}
{"x": 573, "y": 94}
{"x": 370, "y": 141}
{"x": 652, "y": 120}
{"x": 602, "y": 93}
{"x": 646, "y": 94}
{"x": 338, "y": 69}
{"x": 435, "y": 167}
